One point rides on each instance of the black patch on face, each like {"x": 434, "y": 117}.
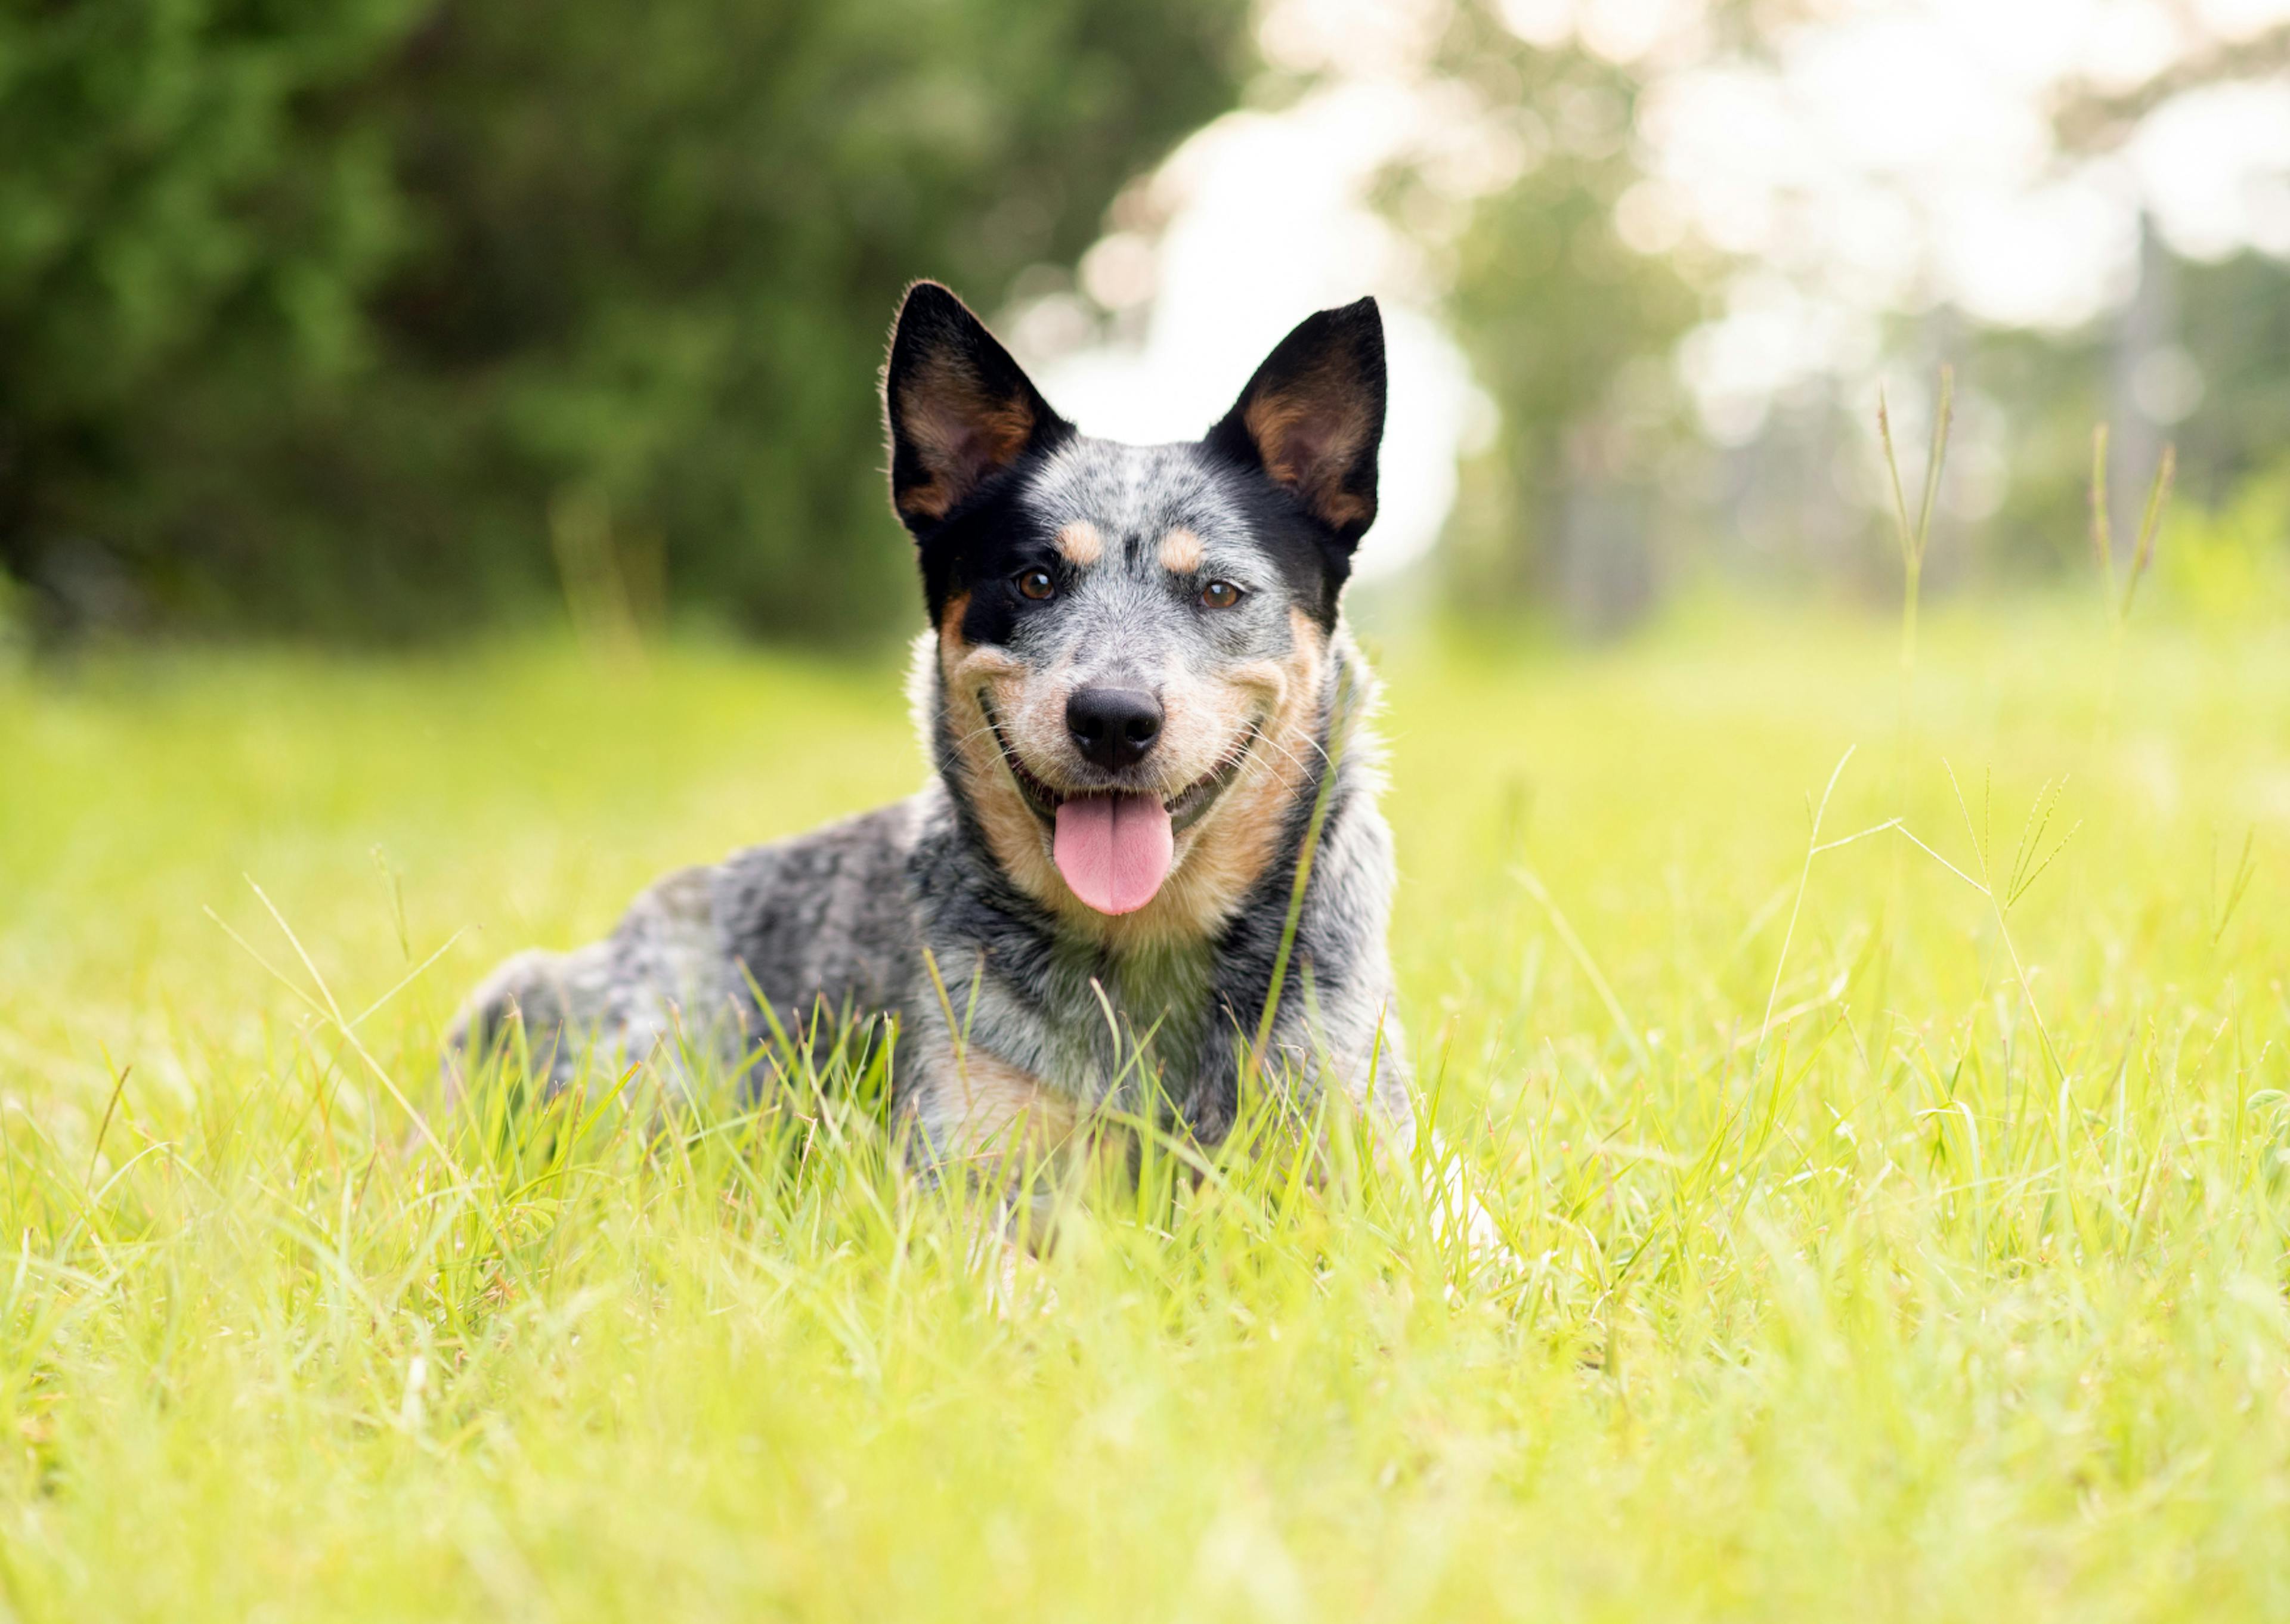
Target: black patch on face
{"x": 982, "y": 549}
{"x": 985, "y": 546}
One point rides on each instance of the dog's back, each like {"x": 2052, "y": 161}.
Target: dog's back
{"x": 820, "y": 921}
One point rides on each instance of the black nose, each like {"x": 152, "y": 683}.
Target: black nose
{"x": 1113, "y": 727}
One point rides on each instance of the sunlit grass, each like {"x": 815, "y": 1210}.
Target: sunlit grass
{"x": 1932, "y": 1268}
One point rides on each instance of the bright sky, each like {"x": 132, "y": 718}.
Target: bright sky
{"x": 1897, "y": 155}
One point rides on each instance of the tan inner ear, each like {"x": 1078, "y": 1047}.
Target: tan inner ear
{"x": 1310, "y": 432}
{"x": 960, "y": 430}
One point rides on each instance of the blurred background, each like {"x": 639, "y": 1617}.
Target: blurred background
{"x": 388, "y": 320}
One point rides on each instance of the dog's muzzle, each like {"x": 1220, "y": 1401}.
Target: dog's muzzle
{"x": 1185, "y": 808}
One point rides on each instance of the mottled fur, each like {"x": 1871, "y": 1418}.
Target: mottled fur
{"x": 1022, "y": 1014}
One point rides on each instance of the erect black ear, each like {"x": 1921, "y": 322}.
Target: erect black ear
{"x": 1313, "y": 416}
{"x": 956, "y": 407}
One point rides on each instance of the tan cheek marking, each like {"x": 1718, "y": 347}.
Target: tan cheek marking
{"x": 1081, "y": 544}
{"x": 1180, "y": 552}
{"x": 964, "y": 664}
{"x": 949, "y": 624}
{"x": 1242, "y": 834}
{"x": 1012, "y": 833}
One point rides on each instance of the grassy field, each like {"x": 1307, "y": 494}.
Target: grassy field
{"x": 1899, "y": 1232}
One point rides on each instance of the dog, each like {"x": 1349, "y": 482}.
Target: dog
{"x": 1151, "y": 813}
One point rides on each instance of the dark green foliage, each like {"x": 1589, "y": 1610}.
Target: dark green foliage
{"x": 310, "y": 317}
{"x": 2232, "y": 317}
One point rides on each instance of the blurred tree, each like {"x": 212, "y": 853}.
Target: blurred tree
{"x": 167, "y": 201}
{"x": 1572, "y": 284}
{"x": 1570, "y": 329}
{"x": 2234, "y": 324}
{"x": 2218, "y": 390}
{"x": 314, "y": 316}
{"x": 2199, "y": 353}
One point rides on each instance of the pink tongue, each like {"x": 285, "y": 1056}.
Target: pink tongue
{"x": 1114, "y": 849}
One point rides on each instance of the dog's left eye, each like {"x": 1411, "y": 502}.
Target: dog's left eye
{"x": 1037, "y": 584}
{"x": 1219, "y": 594}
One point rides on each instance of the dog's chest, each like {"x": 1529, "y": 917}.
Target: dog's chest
{"x": 1107, "y": 1027}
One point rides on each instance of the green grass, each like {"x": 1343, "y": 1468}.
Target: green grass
{"x": 1954, "y": 1291}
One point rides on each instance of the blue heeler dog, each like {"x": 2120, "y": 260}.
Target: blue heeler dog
{"x": 1142, "y": 709}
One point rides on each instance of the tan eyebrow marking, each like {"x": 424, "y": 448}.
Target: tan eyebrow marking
{"x": 1080, "y": 542}
{"x": 1180, "y": 552}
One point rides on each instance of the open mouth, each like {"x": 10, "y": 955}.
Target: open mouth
{"x": 1184, "y": 808}
{"x": 1114, "y": 848}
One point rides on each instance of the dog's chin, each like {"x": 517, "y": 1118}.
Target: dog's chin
{"x": 1185, "y": 808}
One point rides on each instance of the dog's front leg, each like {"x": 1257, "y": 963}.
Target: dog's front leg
{"x": 996, "y": 1130}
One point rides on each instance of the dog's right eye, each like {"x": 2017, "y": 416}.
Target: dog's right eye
{"x": 1037, "y": 584}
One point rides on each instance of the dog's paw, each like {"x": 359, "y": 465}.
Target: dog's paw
{"x": 1459, "y": 1218}
{"x": 1017, "y": 1289}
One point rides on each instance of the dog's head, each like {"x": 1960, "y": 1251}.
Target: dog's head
{"x": 1129, "y": 641}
